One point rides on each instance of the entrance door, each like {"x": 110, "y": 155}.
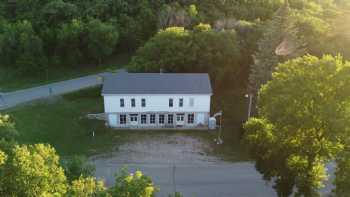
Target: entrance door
{"x": 180, "y": 119}
{"x": 133, "y": 119}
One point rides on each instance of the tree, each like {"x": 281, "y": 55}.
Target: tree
{"x": 21, "y": 47}
{"x": 202, "y": 49}
{"x": 33, "y": 170}
{"x": 303, "y": 123}
{"x": 102, "y": 39}
{"x": 279, "y": 42}
{"x": 342, "y": 175}
{"x": 88, "y": 187}
{"x": 136, "y": 184}
{"x": 8, "y": 133}
{"x": 76, "y": 167}
{"x": 71, "y": 41}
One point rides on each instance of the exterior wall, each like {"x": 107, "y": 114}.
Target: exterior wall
{"x": 157, "y": 104}
{"x": 200, "y": 120}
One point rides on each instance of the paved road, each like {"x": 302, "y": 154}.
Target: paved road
{"x": 215, "y": 180}
{"x": 11, "y": 99}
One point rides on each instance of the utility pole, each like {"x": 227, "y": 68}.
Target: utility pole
{"x": 250, "y": 97}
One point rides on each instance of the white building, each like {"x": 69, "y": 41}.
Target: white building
{"x": 157, "y": 100}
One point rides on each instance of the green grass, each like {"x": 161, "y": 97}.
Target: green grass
{"x": 61, "y": 122}
{"x": 10, "y": 81}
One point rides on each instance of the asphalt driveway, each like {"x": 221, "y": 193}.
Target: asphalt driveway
{"x": 11, "y": 99}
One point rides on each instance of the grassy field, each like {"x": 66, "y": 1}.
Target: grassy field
{"x": 61, "y": 122}
{"x": 9, "y": 80}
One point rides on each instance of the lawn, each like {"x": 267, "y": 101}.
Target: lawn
{"x": 10, "y": 81}
{"x": 61, "y": 122}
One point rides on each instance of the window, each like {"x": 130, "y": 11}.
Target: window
{"x": 143, "y": 102}
{"x": 161, "y": 119}
{"x": 122, "y": 119}
{"x": 133, "y": 117}
{"x": 143, "y": 119}
{"x": 181, "y": 102}
{"x": 190, "y": 118}
{"x": 191, "y": 102}
{"x": 180, "y": 117}
{"x": 122, "y": 104}
{"x": 171, "y": 102}
{"x": 133, "y": 102}
{"x": 170, "y": 119}
{"x": 152, "y": 119}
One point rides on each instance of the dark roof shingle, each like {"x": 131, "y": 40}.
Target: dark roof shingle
{"x": 157, "y": 83}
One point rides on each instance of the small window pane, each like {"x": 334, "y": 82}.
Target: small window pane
{"x": 161, "y": 119}
{"x": 143, "y": 102}
{"x": 122, "y": 104}
{"x": 171, "y": 102}
{"x": 133, "y": 103}
{"x": 170, "y": 119}
{"x": 152, "y": 119}
{"x": 143, "y": 119}
{"x": 122, "y": 119}
{"x": 181, "y": 102}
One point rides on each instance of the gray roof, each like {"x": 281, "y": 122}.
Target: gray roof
{"x": 157, "y": 83}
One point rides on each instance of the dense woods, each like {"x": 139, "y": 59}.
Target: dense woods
{"x": 36, "y": 34}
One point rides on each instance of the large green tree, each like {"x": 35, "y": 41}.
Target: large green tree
{"x": 303, "y": 123}
{"x": 202, "y": 49}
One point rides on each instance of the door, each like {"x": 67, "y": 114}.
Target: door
{"x": 112, "y": 119}
{"x": 200, "y": 119}
{"x": 134, "y": 119}
{"x": 180, "y": 119}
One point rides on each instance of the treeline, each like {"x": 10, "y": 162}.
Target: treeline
{"x": 36, "y": 34}
{"x": 232, "y": 43}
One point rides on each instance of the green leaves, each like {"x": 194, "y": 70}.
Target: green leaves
{"x": 303, "y": 122}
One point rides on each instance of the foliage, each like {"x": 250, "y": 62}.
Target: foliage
{"x": 303, "y": 123}
{"x": 200, "y": 50}
{"x": 8, "y": 133}
{"x": 102, "y": 38}
{"x": 136, "y": 184}
{"x": 21, "y": 47}
{"x": 88, "y": 187}
{"x": 342, "y": 175}
{"x": 77, "y": 166}
{"x": 280, "y": 31}
{"x": 33, "y": 170}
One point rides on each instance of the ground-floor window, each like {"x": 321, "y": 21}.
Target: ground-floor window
{"x": 190, "y": 118}
{"x": 143, "y": 119}
{"x": 180, "y": 117}
{"x": 122, "y": 119}
{"x": 152, "y": 119}
{"x": 170, "y": 119}
{"x": 161, "y": 119}
{"x": 133, "y": 117}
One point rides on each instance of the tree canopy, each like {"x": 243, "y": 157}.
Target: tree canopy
{"x": 303, "y": 123}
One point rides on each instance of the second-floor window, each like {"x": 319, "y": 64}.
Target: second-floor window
{"x": 133, "y": 103}
{"x": 122, "y": 104}
{"x": 181, "y": 102}
{"x": 143, "y": 102}
{"x": 171, "y": 102}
